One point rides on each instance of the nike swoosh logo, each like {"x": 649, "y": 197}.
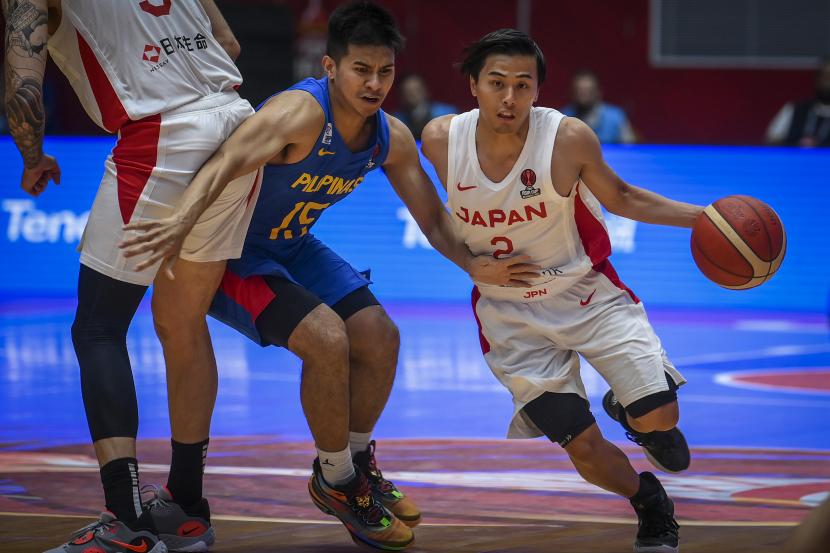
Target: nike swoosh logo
{"x": 463, "y": 188}
{"x": 323, "y": 152}
{"x": 587, "y": 300}
{"x": 191, "y": 530}
{"x": 137, "y": 548}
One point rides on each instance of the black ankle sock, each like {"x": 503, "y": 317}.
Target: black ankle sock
{"x": 120, "y": 480}
{"x": 649, "y": 487}
{"x": 186, "y": 470}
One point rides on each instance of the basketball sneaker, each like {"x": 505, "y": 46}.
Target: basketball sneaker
{"x": 656, "y": 527}
{"x": 363, "y": 515}
{"x": 181, "y": 530}
{"x": 668, "y": 451}
{"x": 110, "y": 535}
{"x": 391, "y": 497}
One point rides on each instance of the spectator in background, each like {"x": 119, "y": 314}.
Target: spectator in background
{"x": 609, "y": 122}
{"x": 417, "y": 109}
{"x": 807, "y": 123}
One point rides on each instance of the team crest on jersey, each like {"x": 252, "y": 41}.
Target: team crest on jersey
{"x": 529, "y": 180}
{"x": 328, "y": 134}
{"x": 375, "y": 152}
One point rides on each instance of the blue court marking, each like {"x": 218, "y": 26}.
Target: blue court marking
{"x": 443, "y": 388}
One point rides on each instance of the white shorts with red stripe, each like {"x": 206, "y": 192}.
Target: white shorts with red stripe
{"x": 152, "y": 163}
{"x": 534, "y": 347}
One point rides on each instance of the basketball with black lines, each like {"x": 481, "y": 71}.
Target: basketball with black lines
{"x": 738, "y": 242}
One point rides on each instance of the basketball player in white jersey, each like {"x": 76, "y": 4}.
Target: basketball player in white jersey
{"x": 527, "y": 180}
{"x": 161, "y": 74}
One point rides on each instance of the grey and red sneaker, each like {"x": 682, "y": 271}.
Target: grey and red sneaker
{"x": 110, "y": 535}
{"x": 180, "y": 528}
{"x": 389, "y": 494}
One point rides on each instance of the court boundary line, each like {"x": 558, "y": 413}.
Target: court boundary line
{"x": 566, "y": 518}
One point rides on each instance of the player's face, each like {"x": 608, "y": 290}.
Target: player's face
{"x": 506, "y": 88}
{"x": 363, "y": 77}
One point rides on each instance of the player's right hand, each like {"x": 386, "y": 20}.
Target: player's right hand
{"x": 35, "y": 179}
{"x": 507, "y": 271}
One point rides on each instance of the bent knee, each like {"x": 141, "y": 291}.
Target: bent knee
{"x": 320, "y": 336}
{"x": 376, "y": 335}
{"x": 661, "y": 418}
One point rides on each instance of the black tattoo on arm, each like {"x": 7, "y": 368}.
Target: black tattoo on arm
{"x": 25, "y": 48}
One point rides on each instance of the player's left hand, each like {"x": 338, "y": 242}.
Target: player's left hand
{"x": 508, "y": 271}
{"x": 162, "y": 238}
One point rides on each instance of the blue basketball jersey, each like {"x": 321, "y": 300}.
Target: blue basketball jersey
{"x": 294, "y": 196}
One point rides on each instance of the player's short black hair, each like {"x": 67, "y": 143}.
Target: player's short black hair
{"x": 503, "y": 41}
{"x": 361, "y": 24}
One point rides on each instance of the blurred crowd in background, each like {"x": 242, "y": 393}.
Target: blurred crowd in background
{"x": 647, "y": 71}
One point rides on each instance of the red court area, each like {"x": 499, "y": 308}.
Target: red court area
{"x": 794, "y": 380}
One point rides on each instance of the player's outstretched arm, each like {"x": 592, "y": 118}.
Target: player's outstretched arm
{"x": 403, "y": 167}
{"x": 577, "y": 144}
{"x": 27, "y": 33}
{"x": 287, "y": 119}
{"x": 221, "y": 30}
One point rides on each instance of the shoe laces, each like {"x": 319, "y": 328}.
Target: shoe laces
{"x": 656, "y": 521}
{"x": 659, "y": 439}
{"x": 94, "y": 528}
{"x": 363, "y": 502}
{"x": 156, "y": 500}
{"x": 375, "y": 474}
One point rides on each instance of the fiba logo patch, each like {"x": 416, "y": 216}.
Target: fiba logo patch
{"x": 329, "y": 132}
{"x": 151, "y": 53}
{"x": 529, "y": 180}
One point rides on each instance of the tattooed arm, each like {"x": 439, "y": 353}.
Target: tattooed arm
{"x": 25, "y": 63}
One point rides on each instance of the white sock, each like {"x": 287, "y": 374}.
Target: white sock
{"x": 359, "y": 441}
{"x": 337, "y": 466}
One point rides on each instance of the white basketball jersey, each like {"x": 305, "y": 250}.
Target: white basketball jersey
{"x": 523, "y": 214}
{"x": 128, "y": 59}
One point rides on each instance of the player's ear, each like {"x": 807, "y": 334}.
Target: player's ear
{"x": 536, "y": 96}
{"x": 473, "y": 85}
{"x": 329, "y": 66}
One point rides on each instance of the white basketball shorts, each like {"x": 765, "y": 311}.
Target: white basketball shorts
{"x": 533, "y": 347}
{"x": 147, "y": 172}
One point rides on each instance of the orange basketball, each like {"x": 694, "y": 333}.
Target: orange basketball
{"x": 738, "y": 242}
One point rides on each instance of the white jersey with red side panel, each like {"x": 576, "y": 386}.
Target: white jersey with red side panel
{"x": 523, "y": 214}
{"x": 128, "y": 59}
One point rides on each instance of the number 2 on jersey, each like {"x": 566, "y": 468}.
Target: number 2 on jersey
{"x": 508, "y": 249}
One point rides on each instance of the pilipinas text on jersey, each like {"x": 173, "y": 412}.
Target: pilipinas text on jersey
{"x": 294, "y": 196}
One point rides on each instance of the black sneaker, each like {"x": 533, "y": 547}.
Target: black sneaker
{"x": 668, "y": 451}
{"x": 657, "y": 529}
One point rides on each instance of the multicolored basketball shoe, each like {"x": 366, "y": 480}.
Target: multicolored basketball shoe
{"x": 189, "y": 531}
{"x": 363, "y": 515}
{"x": 391, "y": 497}
{"x": 668, "y": 451}
{"x": 110, "y": 535}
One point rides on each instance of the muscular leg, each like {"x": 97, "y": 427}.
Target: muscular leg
{"x": 602, "y": 463}
{"x": 320, "y": 341}
{"x": 179, "y": 310}
{"x": 99, "y": 333}
{"x": 374, "y": 342}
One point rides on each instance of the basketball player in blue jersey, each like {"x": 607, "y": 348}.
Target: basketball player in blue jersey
{"x": 317, "y": 141}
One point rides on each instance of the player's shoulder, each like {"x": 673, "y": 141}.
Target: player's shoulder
{"x": 295, "y": 108}
{"x": 435, "y": 137}
{"x": 573, "y": 132}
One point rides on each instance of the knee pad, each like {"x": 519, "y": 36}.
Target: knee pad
{"x": 561, "y": 417}
{"x": 647, "y": 404}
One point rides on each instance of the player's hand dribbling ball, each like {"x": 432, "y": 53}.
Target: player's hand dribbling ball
{"x": 738, "y": 242}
